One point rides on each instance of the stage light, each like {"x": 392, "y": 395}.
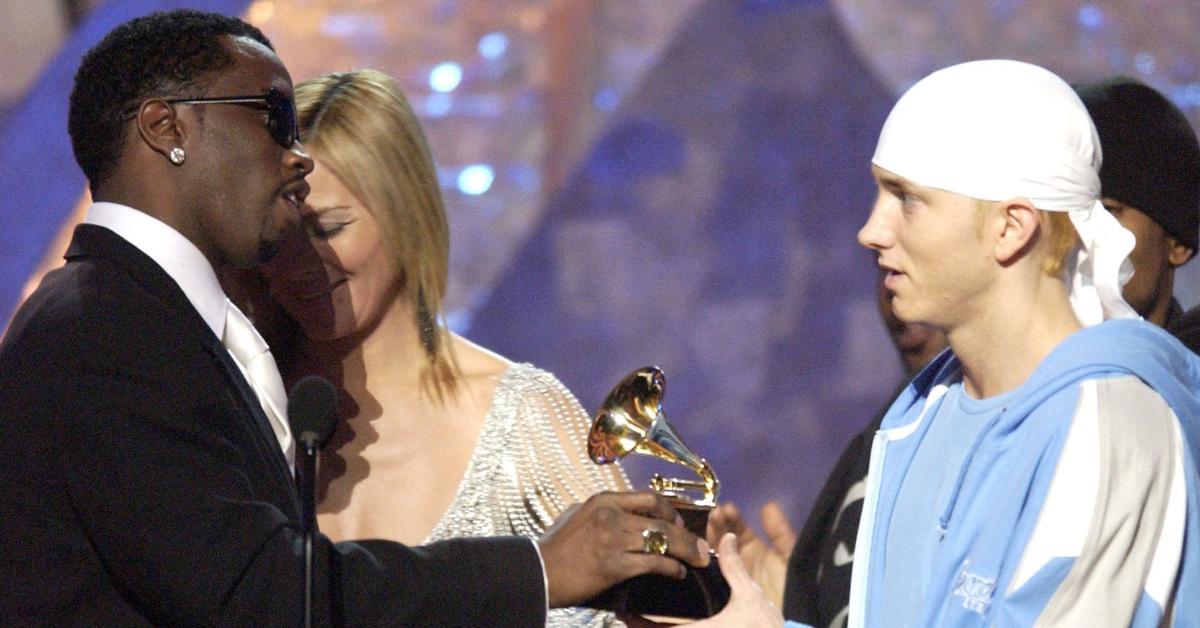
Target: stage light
{"x": 445, "y": 77}
{"x": 1091, "y": 17}
{"x": 493, "y": 45}
{"x": 475, "y": 179}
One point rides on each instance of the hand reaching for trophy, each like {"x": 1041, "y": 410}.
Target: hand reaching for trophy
{"x": 612, "y": 537}
{"x": 747, "y": 605}
{"x": 764, "y": 559}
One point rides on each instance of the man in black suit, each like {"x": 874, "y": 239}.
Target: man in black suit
{"x": 146, "y": 477}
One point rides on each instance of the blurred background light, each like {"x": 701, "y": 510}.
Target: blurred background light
{"x": 493, "y": 45}
{"x": 445, "y": 77}
{"x": 475, "y": 179}
{"x": 1091, "y": 17}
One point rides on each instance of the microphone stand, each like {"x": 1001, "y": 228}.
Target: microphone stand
{"x": 312, "y": 413}
{"x": 306, "y": 471}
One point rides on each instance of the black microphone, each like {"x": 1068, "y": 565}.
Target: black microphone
{"x": 312, "y": 413}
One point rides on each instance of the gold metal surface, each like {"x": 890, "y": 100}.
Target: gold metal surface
{"x": 632, "y": 420}
{"x": 654, "y": 541}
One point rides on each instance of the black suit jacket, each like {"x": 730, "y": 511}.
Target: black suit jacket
{"x": 142, "y": 484}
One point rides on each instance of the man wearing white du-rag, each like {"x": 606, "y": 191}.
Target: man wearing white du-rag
{"x": 1043, "y": 470}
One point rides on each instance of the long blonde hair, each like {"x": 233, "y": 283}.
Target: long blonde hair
{"x": 364, "y": 130}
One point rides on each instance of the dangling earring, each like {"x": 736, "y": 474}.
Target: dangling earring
{"x": 177, "y": 156}
{"x": 426, "y": 326}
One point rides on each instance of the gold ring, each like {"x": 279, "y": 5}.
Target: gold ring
{"x": 654, "y": 541}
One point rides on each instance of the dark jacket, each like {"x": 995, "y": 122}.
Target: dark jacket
{"x": 144, "y": 485}
{"x": 1184, "y": 325}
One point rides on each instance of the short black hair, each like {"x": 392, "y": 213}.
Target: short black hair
{"x": 161, "y": 54}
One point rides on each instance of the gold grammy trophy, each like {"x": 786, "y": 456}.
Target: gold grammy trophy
{"x": 632, "y": 420}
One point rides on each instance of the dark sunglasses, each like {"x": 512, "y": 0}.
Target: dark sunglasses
{"x": 281, "y": 113}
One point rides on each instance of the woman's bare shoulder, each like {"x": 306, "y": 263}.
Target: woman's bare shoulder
{"x": 477, "y": 362}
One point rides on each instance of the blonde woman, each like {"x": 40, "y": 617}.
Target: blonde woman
{"x": 440, "y": 437}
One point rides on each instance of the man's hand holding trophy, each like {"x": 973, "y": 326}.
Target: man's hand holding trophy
{"x": 632, "y": 420}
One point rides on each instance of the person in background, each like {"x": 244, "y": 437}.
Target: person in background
{"x": 147, "y": 453}
{"x": 440, "y": 437}
{"x": 1150, "y": 180}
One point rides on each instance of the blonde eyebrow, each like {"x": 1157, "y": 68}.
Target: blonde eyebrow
{"x": 897, "y": 183}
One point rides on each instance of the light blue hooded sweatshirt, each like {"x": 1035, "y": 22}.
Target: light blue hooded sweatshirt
{"x": 993, "y": 508}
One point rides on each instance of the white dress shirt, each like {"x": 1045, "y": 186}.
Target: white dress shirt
{"x": 187, "y": 266}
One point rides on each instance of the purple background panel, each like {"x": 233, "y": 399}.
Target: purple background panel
{"x": 711, "y": 231}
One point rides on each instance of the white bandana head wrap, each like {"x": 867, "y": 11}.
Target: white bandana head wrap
{"x": 994, "y": 130}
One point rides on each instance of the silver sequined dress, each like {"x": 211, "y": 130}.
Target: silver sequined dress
{"x": 530, "y": 464}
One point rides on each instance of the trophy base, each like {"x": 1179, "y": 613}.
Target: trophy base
{"x": 703, "y": 592}
{"x": 695, "y": 518}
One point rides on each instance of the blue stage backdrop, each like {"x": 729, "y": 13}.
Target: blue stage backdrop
{"x": 711, "y": 231}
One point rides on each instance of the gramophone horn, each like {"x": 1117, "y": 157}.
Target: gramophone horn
{"x": 631, "y": 419}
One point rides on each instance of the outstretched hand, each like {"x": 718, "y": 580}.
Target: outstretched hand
{"x": 597, "y": 544}
{"x": 747, "y": 607}
{"x": 765, "y": 561}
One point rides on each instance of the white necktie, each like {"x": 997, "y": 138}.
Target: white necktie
{"x": 254, "y": 356}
